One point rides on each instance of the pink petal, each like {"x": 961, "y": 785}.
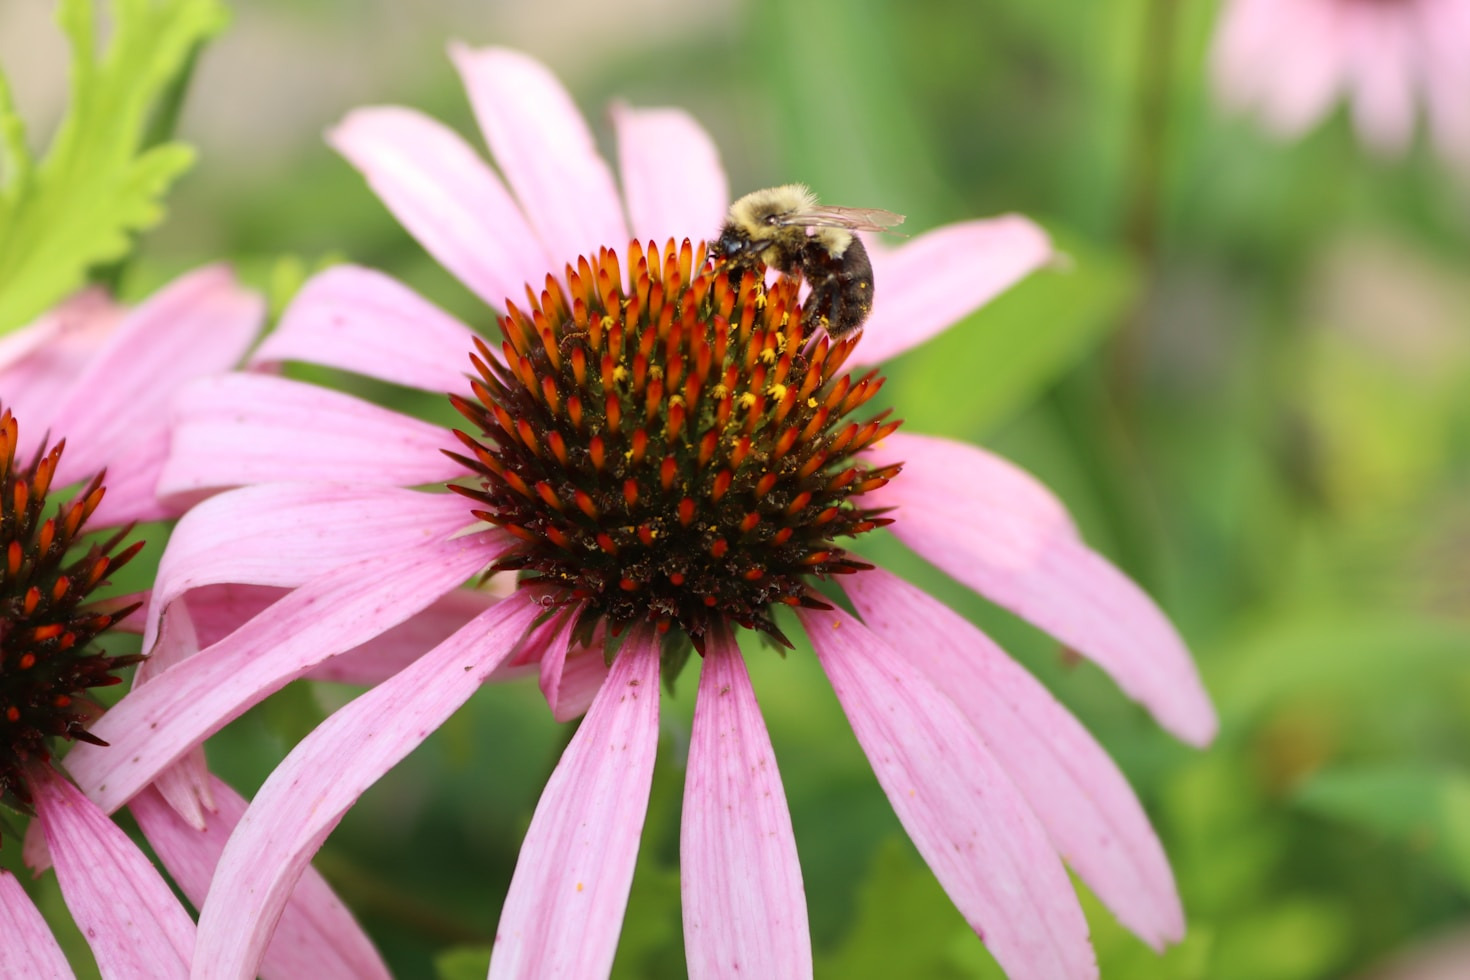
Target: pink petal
{"x": 123, "y": 907}
{"x": 1382, "y": 66}
{"x": 307, "y": 795}
{"x": 939, "y": 472}
{"x": 1071, "y": 784}
{"x": 39, "y": 363}
{"x": 186, "y": 783}
{"x": 360, "y": 320}
{"x": 744, "y": 907}
{"x": 131, "y": 482}
{"x": 316, "y": 937}
{"x": 1023, "y": 558}
{"x": 200, "y": 324}
{"x": 570, "y": 679}
{"x": 152, "y": 726}
{"x": 926, "y": 286}
{"x": 1446, "y": 76}
{"x": 565, "y": 908}
{"x": 219, "y": 610}
{"x": 236, "y": 429}
{"x": 34, "y": 853}
{"x": 1245, "y": 43}
{"x": 1301, "y": 80}
{"x": 672, "y": 178}
{"x": 390, "y": 652}
{"x": 442, "y": 192}
{"x": 29, "y": 949}
{"x": 286, "y": 534}
{"x": 958, "y": 805}
{"x": 543, "y": 146}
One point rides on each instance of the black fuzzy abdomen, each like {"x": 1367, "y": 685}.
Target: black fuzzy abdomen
{"x": 842, "y": 287}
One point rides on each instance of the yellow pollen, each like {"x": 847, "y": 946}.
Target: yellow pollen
{"x": 747, "y": 400}
{"x": 719, "y": 391}
{"x": 777, "y": 391}
{"x": 620, "y": 373}
{"x": 769, "y": 355}
{"x": 811, "y": 403}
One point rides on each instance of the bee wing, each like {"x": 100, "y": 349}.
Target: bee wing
{"x": 855, "y": 219}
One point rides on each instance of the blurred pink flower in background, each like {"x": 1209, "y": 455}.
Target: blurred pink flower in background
{"x": 995, "y": 782}
{"x": 100, "y": 378}
{"x": 1292, "y": 59}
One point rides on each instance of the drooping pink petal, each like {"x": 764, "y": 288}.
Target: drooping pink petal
{"x": 285, "y": 534}
{"x": 1022, "y": 557}
{"x": 236, "y": 429}
{"x": 959, "y": 807}
{"x": 316, "y": 937}
{"x": 29, "y": 949}
{"x": 445, "y": 195}
{"x": 360, "y": 320}
{"x": 200, "y": 324}
{"x": 543, "y": 146}
{"x": 1071, "y": 784}
{"x": 929, "y": 284}
{"x": 152, "y": 726}
{"x": 307, "y": 795}
{"x": 744, "y": 906}
{"x": 123, "y": 907}
{"x": 672, "y": 178}
{"x": 565, "y": 907}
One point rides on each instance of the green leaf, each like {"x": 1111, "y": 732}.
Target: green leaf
{"x": 1427, "y": 810}
{"x": 1334, "y": 652}
{"x": 906, "y": 926}
{"x": 463, "y": 963}
{"x": 969, "y": 378}
{"x": 100, "y": 181}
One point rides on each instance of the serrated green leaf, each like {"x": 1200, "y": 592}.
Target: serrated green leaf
{"x": 1427, "y": 810}
{"x": 100, "y": 182}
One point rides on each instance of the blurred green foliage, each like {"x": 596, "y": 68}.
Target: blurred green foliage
{"x": 1252, "y": 388}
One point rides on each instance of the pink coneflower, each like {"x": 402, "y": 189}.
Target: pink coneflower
{"x": 1291, "y": 59}
{"x": 98, "y": 379}
{"x": 666, "y": 455}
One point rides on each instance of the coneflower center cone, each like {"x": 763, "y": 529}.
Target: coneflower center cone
{"x": 678, "y": 451}
{"x": 47, "y": 662}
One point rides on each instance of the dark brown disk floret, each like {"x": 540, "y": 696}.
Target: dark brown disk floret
{"x": 679, "y": 452}
{"x": 46, "y": 623}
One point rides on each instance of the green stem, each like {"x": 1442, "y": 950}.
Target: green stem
{"x": 1143, "y": 201}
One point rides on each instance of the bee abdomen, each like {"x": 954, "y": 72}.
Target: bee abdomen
{"x": 842, "y": 287}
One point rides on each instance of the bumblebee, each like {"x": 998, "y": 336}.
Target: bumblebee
{"x": 786, "y": 229}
